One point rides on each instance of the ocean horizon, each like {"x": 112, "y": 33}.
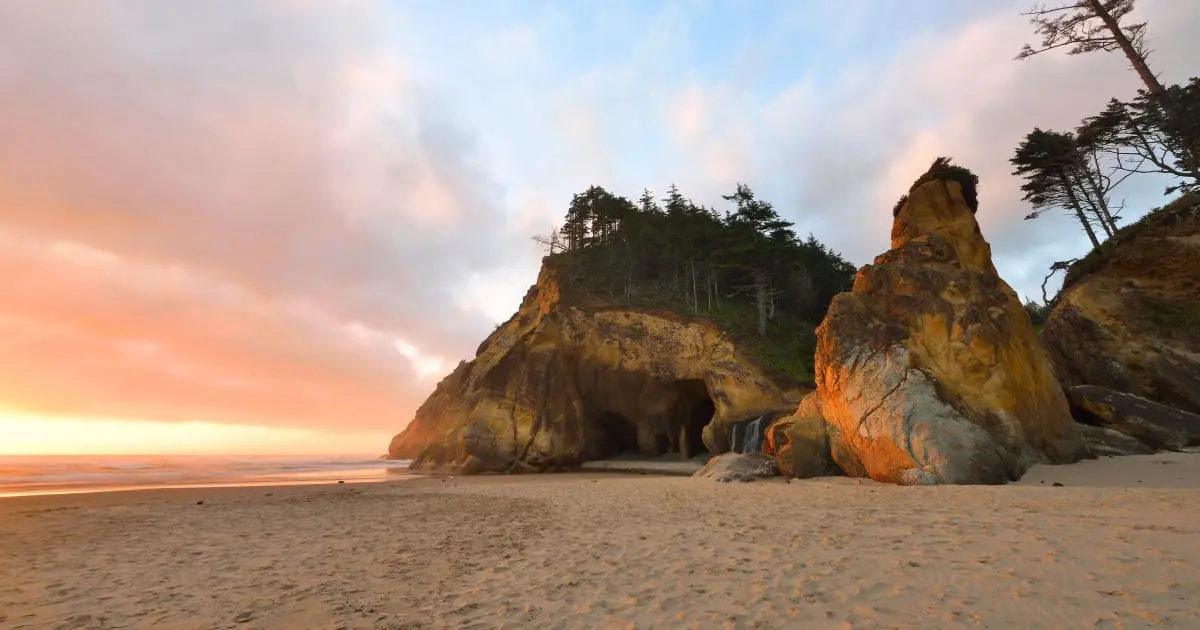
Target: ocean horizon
{"x": 25, "y": 475}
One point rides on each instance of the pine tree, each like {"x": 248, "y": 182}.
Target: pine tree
{"x": 1052, "y": 165}
{"x": 1096, "y": 25}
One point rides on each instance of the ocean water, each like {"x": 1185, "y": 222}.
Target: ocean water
{"x": 61, "y": 474}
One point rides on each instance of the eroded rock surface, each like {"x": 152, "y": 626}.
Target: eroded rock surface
{"x": 1128, "y": 318}
{"x": 929, "y": 370}
{"x": 1158, "y": 427}
{"x": 1105, "y": 442}
{"x": 557, "y": 385}
{"x": 800, "y": 443}
{"x": 740, "y": 467}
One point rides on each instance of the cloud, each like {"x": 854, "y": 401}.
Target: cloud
{"x": 303, "y": 213}
{"x": 200, "y": 199}
{"x": 834, "y": 129}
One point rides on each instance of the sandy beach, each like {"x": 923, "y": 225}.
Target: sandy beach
{"x": 1116, "y": 546}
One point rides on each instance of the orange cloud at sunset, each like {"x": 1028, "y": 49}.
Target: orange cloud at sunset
{"x": 230, "y": 236}
{"x": 270, "y": 215}
{"x": 35, "y": 435}
{"x": 87, "y": 332}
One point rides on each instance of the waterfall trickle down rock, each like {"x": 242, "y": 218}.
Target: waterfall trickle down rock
{"x": 747, "y": 436}
{"x": 754, "y": 437}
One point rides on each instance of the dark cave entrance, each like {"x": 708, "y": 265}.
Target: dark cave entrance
{"x": 621, "y": 434}
{"x": 675, "y": 428}
{"x": 694, "y": 411}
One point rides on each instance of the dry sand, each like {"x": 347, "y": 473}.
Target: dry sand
{"x": 1117, "y": 546}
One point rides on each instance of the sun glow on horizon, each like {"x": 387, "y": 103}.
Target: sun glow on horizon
{"x": 33, "y": 434}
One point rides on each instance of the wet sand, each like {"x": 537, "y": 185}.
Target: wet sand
{"x": 1117, "y": 546}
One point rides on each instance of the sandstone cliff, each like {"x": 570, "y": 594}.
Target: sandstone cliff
{"x": 1128, "y": 317}
{"x": 928, "y": 370}
{"x": 559, "y": 384}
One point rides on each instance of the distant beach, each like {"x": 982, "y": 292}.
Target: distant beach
{"x": 62, "y": 474}
{"x": 1107, "y": 543}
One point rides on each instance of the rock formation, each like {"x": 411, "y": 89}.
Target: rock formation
{"x": 1158, "y": 427}
{"x": 559, "y": 384}
{"x": 929, "y": 370}
{"x": 740, "y": 467}
{"x": 1128, "y": 317}
{"x": 1105, "y": 442}
{"x": 800, "y": 443}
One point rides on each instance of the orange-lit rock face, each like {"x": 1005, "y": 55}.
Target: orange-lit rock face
{"x": 1132, "y": 323}
{"x": 929, "y": 370}
{"x": 557, "y": 385}
{"x": 800, "y": 442}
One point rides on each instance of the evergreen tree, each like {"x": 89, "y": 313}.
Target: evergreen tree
{"x": 1096, "y": 25}
{"x": 1136, "y": 137}
{"x": 1052, "y": 166}
{"x": 689, "y": 258}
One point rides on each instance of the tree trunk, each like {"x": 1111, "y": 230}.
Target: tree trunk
{"x": 708, "y": 286}
{"x": 1095, "y": 201}
{"x": 695, "y": 291}
{"x": 771, "y": 314}
{"x": 1079, "y": 213}
{"x": 1101, "y": 187}
{"x": 1153, "y": 85}
{"x": 1135, "y": 58}
{"x": 761, "y": 287}
{"x": 1108, "y": 231}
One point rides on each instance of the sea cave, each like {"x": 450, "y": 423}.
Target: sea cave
{"x": 667, "y": 418}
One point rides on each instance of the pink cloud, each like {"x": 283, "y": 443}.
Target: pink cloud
{"x": 200, "y": 199}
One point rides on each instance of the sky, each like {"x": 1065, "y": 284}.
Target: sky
{"x": 271, "y": 226}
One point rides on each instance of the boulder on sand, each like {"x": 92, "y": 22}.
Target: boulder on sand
{"x": 1105, "y": 442}
{"x": 741, "y": 467}
{"x": 800, "y": 442}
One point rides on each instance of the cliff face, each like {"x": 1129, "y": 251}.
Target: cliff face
{"x": 928, "y": 370}
{"x": 557, "y": 385}
{"x": 1128, "y": 318}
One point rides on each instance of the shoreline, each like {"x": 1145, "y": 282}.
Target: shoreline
{"x": 582, "y": 550}
{"x": 189, "y": 494}
{"x": 215, "y": 485}
{"x": 1142, "y": 472}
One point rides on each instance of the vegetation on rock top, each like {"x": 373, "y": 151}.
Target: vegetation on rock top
{"x": 1159, "y": 217}
{"x": 744, "y": 269}
{"x": 943, "y": 169}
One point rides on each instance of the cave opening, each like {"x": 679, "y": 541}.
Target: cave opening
{"x": 693, "y": 411}
{"x": 620, "y": 434}
{"x": 675, "y": 429}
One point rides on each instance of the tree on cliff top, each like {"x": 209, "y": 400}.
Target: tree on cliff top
{"x": 1136, "y": 137}
{"x": 1096, "y": 25}
{"x": 745, "y": 268}
{"x": 1058, "y": 175}
{"x": 1089, "y": 26}
{"x": 756, "y": 256}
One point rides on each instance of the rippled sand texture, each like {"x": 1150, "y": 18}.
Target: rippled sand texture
{"x": 588, "y": 551}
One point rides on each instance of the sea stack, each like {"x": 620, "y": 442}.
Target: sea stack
{"x": 929, "y": 370}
